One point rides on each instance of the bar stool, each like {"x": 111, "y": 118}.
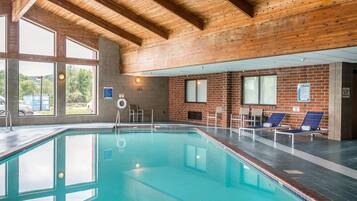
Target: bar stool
{"x": 132, "y": 111}
{"x": 241, "y": 117}
{"x": 140, "y": 114}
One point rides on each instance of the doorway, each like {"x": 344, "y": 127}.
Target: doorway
{"x": 354, "y": 105}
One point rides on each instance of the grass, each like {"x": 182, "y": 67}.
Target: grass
{"x": 77, "y": 108}
{"x": 71, "y": 109}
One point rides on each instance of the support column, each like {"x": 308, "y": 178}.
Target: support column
{"x": 340, "y": 106}
{"x": 13, "y": 87}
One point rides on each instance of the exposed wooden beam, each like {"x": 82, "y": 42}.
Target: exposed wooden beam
{"x": 181, "y": 12}
{"x": 134, "y": 18}
{"x": 20, "y": 7}
{"x": 244, "y": 6}
{"x": 98, "y": 21}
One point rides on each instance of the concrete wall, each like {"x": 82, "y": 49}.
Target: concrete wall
{"x": 150, "y": 93}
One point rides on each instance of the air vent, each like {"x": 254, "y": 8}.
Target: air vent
{"x": 192, "y": 115}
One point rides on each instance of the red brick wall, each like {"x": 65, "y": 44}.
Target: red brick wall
{"x": 224, "y": 89}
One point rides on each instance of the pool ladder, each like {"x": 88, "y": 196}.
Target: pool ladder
{"x": 8, "y": 119}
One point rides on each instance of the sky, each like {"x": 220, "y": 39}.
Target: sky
{"x": 36, "y": 40}
{"x": 2, "y": 34}
{"x": 36, "y": 68}
{"x": 39, "y": 41}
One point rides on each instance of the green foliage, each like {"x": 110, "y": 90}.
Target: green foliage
{"x": 78, "y": 85}
{"x": 2, "y": 83}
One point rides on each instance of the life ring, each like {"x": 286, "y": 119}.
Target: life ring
{"x": 121, "y": 103}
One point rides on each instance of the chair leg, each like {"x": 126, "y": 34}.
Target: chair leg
{"x": 215, "y": 122}
{"x": 239, "y": 130}
{"x": 253, "y": 135}
{"x": 292, "y": 141}
{"x": 275, "y": 135}
{"x": 207, "y": 121}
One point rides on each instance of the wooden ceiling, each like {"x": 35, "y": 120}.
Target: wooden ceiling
{"x": 135, "y": 23}
{"x": 132, "y": 23}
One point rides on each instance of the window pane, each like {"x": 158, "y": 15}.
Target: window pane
{"x": 81, "y": 195}
{"x": 2, "y": 179}
{"x": 250, "y": 90}
{"x": 76, "y": 50}
{"x": 2, "y": 87}
{"x": 201, "y": 159}
{"x": 2, "y": 34}
{"x": 202, "y": 91}
{"x": 36, "y": 168}
{"x": 268, "y": 90}
{"x": 191, "y": 91}
{"x": 36, "y": 40}
{"x": 80, "y": 159}
{"x": 190, "y": 156}
{"x": 36, "y": 88}
{"x": 49, "y": 198}
{"x": 81, "y": 89}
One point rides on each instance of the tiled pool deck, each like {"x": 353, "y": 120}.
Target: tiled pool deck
{"x": 328, "y": 167}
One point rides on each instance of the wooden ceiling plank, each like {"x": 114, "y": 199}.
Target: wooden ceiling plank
{"x": 181, "y": 12}
{"x": 20, "y": 7}
{"x": 244, "y": 6}
{"x": 98, "y": 21}
{"x": 134, "y": 18}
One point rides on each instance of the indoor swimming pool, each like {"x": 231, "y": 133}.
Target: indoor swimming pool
{"x": 134, "y": 165}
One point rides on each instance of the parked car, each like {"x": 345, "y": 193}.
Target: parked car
{"x": 23, "y": 109}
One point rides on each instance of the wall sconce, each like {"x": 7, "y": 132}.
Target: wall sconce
{"x": 61, "y": 76}
{"x": 137, "y": 80}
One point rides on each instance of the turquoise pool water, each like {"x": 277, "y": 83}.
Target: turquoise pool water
{"x": 133, "y": 166}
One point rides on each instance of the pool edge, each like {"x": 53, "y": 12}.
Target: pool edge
{"x": 291, "y": 184}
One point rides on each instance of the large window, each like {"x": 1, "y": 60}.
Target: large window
{"x": 36, "y": 40}
{"x": 80, "y": 159}
{"x": 196, "y": 91}
{"x": 260, "y": 90}
{"x": 36, "y": 168}
{"x": 2, "y": 34}
{"x": 76, "y": 50}
{"x": 81, "y": 89}
{"x": 36, "y": 88}
{"x": 2, "y": 87}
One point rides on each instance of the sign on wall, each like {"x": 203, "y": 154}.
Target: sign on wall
{"x": 108, "y": 93}
{"x": 303, "y": 92}
{"x": 346, "y": 92}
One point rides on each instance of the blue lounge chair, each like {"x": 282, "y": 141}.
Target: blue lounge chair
{"x": 273, "y": 122}
{"x": 310, "y": 125}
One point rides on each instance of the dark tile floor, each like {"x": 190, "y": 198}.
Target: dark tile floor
{"x": 327, "y": 182}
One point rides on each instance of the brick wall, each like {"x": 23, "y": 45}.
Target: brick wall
{"x": 224, "y": 89}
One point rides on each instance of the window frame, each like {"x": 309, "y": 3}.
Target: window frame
{"x": 54, "y": 91}
{"x": 81, "y": 44}
{"x": 45, "y": 28}
{"x": 196, "y": 95}
{"x": 96, "y": 84}
{"x": 259, "y": 90}
{"x": 6, "y": 33}
{"x": 5, "y": 85}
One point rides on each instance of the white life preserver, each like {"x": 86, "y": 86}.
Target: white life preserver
{"x": 121, "y": 103}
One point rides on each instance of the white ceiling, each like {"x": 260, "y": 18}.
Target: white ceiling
{"x": 300, "y": 59}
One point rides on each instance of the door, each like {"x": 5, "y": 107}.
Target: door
{"x": 354, "y": 120}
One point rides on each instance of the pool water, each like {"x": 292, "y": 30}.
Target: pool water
{"x": 133, "y": 166}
